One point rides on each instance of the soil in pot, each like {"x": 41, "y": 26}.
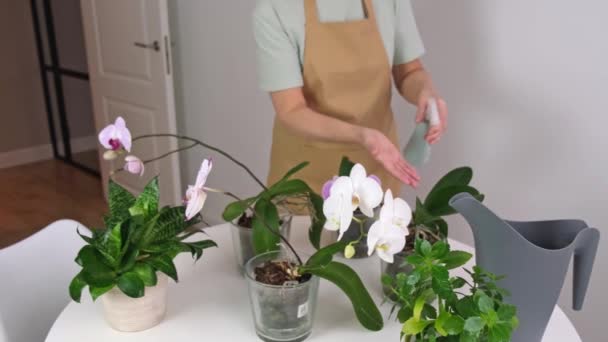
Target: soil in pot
{"x": 283, "y": 301}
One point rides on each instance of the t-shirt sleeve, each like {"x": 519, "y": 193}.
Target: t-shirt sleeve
{"x": 278, "y": 62}
{"x": 408, "y": 44}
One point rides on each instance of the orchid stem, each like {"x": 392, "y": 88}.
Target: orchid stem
{"x": 213, "y": 148}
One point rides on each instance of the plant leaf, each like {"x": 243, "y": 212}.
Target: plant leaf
{"x": 95, "y": 272}
{"x": 119, "y": 200}
{"x": 349, "y": 282}
{"x": 455, "y": 259}
{"x": 415, "y": 327}
{"x": 76, "y": 286}
{"x": 170, "y": 223}
{"x": 474, "y": 324}
{"x": 131, "y": 285}
{"x": 97, "y": 292}
{"x": 109, "y": 244}
{"x": 294, "y": 170}
{"x": 325, "y": 255}
{"x": 196, "y": 248}
{"x": 318, "y": 219}
{"x": 458, "y": 176}
{"x": 345, "y": 166}
{"x": 146, "y": 203}
{"x": 236, "y": 209}
{"x": 265, "y": 227}
{"x": 146, "y": 273}
{"x": 164, "y": 264}
{"x": 288, "y": 188}
{"x": 437, "y": 203}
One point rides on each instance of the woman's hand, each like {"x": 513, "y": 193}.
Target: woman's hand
{"x": 386, "y": 153}
{"x": 435, "y": 132}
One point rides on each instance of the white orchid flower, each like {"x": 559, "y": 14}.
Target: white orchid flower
{"x": 338, "y": 208}
{"x": 387, "y": 236}
{"x": 116, "y": 136}
{"x": 196, "y": 195}
{"x": 367, "y": 192}
{"x": 347, "y": 194}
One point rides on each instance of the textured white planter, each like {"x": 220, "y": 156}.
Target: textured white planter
{"x": 124, "y": 313}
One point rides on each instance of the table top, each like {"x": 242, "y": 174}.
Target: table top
{"x": 211, "y": 302}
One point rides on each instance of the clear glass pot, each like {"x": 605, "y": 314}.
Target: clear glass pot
{"x": 281, "y": 313}
{"x": 242, "y": 240}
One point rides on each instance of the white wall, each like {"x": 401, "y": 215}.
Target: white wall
{"x": 524, "y": 81}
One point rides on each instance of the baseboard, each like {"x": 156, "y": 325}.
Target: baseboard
{"x": 43, "y": 152}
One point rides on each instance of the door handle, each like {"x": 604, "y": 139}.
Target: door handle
{"x": 155, "y": 45}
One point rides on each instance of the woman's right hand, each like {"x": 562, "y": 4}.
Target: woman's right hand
{"x": 386, "y": 153}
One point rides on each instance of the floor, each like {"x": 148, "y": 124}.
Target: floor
{"x": 33, "y": 196}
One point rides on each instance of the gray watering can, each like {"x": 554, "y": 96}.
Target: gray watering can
{"x": 534, "y": 257}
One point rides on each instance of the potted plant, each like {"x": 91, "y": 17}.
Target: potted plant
{"x": 432, "y": 306}
{"x": 274, "y": 204}
{"x": 427, "y": 220}
{"x": 264, "y": 207}
{"x": 127, "y": 263}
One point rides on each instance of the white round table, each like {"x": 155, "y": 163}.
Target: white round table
{"x": 211, "y": 303}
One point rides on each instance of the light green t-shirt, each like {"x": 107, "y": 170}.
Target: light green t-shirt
{"x": 278, "y": 27}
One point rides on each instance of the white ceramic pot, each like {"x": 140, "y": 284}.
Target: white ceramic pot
{"x": 124, "y": 313}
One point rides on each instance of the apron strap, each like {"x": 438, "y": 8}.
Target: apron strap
{"x": 312, "y": 11}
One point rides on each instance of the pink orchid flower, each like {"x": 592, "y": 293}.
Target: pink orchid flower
{"x": 134, "y": 165}
{"x": 116, "y": 136}
{"x": 196, "y": 195}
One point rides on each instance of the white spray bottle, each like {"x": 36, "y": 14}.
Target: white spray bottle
{"x": 418, "y": 151}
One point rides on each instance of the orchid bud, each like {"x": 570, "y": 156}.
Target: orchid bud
{"x": 110, "y": 155}
{"x": 134, "y": 165}
{"x": 349, "y": 251}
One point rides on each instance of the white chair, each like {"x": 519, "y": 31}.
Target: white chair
{"x": 34, "y": 278}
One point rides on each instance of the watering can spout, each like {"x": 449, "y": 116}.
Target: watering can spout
{"x": 584, "y": 256}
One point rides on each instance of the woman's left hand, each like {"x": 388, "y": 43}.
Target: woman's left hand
{"x": 435, "y": 132}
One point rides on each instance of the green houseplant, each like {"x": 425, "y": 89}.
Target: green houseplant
{"x": 432, "y": 306}
{"x": 134, "y": 253}
{"x": 428, "y": 217}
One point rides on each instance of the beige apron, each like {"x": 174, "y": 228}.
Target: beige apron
{"x": 347, "y": 76}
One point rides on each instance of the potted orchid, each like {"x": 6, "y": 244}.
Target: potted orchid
{"x": 127, "y": 263}
{"x": 279, "y": 278}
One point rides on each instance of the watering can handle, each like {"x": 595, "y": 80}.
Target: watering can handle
{"x": 584, "y": 257}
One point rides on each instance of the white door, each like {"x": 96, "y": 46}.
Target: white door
{"x": 128, "y": 51}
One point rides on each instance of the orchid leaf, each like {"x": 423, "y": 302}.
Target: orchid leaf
{"x": 437, "y": 203}
{"x": 265, "y": 227}
{"x": 289, "y": 188}
{"x": 236, "y": 209}
{"x": 458, "y": 177}
{"x": 346, "y": 165}
{"x": 348, "y": 281}
{"x": 318, "y": 220}
{"x": 325, "y": 255}
{"x": 294, "y": 170}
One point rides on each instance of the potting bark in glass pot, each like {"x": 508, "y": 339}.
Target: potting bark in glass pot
{"x": 427, "y": 220}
